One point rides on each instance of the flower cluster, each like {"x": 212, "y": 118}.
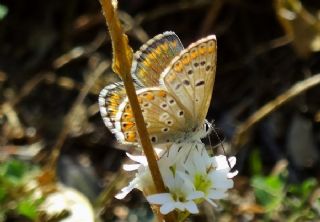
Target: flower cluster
{"x": 190, "y": 174}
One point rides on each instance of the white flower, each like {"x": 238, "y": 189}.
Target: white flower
{"x": 181, "y": 195}
{"x": 210, "y": 175}
{"x": 189, "y": 173}
{"x": 142, "y": 178}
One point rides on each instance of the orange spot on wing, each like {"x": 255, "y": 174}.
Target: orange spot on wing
{"x": 177, "y": 66}
{"x": 211, "y": 48}
{"x": 162, "y": 93}
{"x": 131, "y": 136}
{"x": 148, "y": 96}
{"x": 202, "y": 49}
{"x": 186, "y": 59}
{"x": 127, "y": 126}
{"x": 194, "y": 54}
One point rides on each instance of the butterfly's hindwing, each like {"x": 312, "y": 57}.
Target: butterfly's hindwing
{"x": 165, "y": 119}
{"x": 110, "y": 99}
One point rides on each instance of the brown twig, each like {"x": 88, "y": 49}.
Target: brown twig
{"x": 122, "y": 59}
{"x": 79, "y": 51}
{"x": 101, "y": 68}
{"x": 242, "y": 132}
{"x": 211, "y": 16}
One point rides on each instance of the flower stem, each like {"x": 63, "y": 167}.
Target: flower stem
{"x": 122, "y": 59}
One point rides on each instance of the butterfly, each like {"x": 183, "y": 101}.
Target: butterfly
{"x": 174, "y": 88}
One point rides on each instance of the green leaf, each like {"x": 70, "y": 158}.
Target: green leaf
{"x": 3, "y": 11}
{"x": 3, "y": 194}
{"x": 27, "y": 208}
{"x": 269, "y": 191}
{"x": 2, "y": 215}
{"x": 304, "y": 189}
{"x": 14, "y": 171}
{"x": 255, "y": 162}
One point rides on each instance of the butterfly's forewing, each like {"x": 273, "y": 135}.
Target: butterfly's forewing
{"x": 190, "y": 78}
{"x": 153, "y": 57}
{"x": 165, "y": 119}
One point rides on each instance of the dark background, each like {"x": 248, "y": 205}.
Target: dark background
{"x": 41, "y": 82}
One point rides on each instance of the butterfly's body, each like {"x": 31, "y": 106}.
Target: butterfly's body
{"x": 174, "y": 89}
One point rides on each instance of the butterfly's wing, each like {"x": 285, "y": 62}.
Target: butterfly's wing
{"x": 165, "y": 119}
{"x": 153, "y": 57}
{"x": 110, "y": 99}
{"x": 148, "y": 63}
{"x": 190, "y": 78}
{"x": 171, "y": 110}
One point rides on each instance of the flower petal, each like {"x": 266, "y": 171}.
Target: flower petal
{"x": 191, "y": 207}
{"x": 167, "y": 208}
{"x": 180, "y": 206}
{"x": 217, "y": 194}
{"x": 211, "y": 202}
{"x": 159, "y": 198}
{"x": 233, "y": 174}
{"x": 195, "y": 195}
{"x": 130, "y": 167}
{"x": 139, "y": 159}
{"x": 125, "y": 190}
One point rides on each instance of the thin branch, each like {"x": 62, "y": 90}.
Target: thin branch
{"x": 211, "y": 17}
{"x": 242, "y": 132}
{"x": 101, "y": 68}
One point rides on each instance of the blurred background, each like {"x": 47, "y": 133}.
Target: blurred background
{"x": 55, "y": 57}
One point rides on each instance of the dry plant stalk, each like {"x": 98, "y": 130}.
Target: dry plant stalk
{"x": 49, "y": 175}
{"x": 242, "y": 132}
{"x": 122, "y": 59}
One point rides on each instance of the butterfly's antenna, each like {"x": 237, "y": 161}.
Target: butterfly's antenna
{"x": 217, "y": 135}
{"x": 187, "y": 156}
{"x": 209, "y": 138}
